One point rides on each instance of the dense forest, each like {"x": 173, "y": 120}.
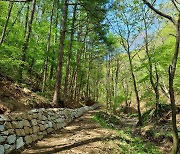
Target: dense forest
{"x": 122, "y": 54}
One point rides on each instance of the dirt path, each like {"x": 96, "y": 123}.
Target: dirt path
{"x": 83, "y": 136}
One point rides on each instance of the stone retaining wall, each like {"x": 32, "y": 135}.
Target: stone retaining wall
{"x": 22, "y": 129}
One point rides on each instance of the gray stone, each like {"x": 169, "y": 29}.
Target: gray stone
{"x": 49, "y": 130}
{"x": 11, "y": 139}
{"x": 20, "y": 132}
{"x": 26, "y": 123}
{"x": 50, "y": 124}
{"x": 4, "y": 118}
{"x": 7, "y": 125}
{"x": 5, "y": 133}
{"x": 2, "y": 128}
{"x": 15, "y": 125}
{"x": 19, "y": 143}
{"x": 1, "y": 149}
{"x": 20, "y": 124}
{"x": 2, "y": 138}
{"x": 11, "y": 131}
{"x": 34, "y": 122}
{"x": 34, "y": 137}
{"x": 9, "y": 148}
{"x": 28, "y": 139}
{"x": 35, "y": 129}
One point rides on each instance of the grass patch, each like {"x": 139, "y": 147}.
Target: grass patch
{"x": 128, "y": 143}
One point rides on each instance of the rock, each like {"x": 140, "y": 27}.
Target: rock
{"x": 19, "y": 143}
{"x": 15, "y": 125}
{"x": 49, "y": 130}
{"x": 35, "y": 129}
{"x": 28, "y": 139}
{"x": 2, "y": 128}
{"x": 2, "y": 139}
{"x": 11, "y": 139}
{"x": 9, "y": 148}
{"x": 21, "y": 124}
{"x": 11, "y": 131}
{"x": 4, "y": 118}
{"x": 5, "y": 133}
{"x": 29, "y": 117}
{"x": 7, "y": 125}
{"x": 41, "y": 127}
{"x": 20, "y": 132}
{"x": 34, "y": 122}
{"x": 27, "y": 130}
{"x": 34, "y": 137}
{"x": 26, "y": 123}
{"x": 1, "y": 149}
{"x": 50, "y": 124}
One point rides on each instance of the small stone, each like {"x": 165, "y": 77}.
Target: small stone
{"x": 35, "y": 129}
{"x": 20, "y": 132}
{"x": 34, "y": 137}
{"x": 4, "y": 118}
{"x": 2, "y": 128}
{"x": 28, "y": 139}
{"x": 15, "y": 125}
{"x": 11, "y": 139}
{"x": 41, "y": 127}
{"x": 29, "y": 117}
{"x": 50, "y": 124}
{"x": 26, "y": 123}
{"x": 49, "y": 130}
{"x": 24, "y": 116}
{"x": 34, "y": 122}
{"x": 27, "y": 130}
{"x": 1, "y": 149}
{"x": 2, "y": 138}
{"x": 9, "y": 148}
{"x": 20, "y": 124}
{"x": 7, "y": 125}
{"x": 5, "y": 133}
{"x": 19, "y": 143}
{"x": 11, "y": 131}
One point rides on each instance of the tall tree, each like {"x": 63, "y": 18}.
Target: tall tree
{"x": 172, "y": 67}
{"x": 56, "y": 96}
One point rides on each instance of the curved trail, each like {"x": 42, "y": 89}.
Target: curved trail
{"x": 82, "y": 136}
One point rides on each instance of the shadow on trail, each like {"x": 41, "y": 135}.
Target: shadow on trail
{"x": 55, "y": 149}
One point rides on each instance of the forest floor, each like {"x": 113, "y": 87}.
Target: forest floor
{"x": 89, "y": 135}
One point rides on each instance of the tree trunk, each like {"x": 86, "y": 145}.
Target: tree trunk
{"x": 47, "y": 49}
{"x": 27, "y": 38}
{"x": 172, "y": 70}
{"x": 6, "y": 23}
{"x": 154, "y": 85}
{"x": 135, "y": 89}
{"x": 60, "y": 56}
{"x": 66, "y": 84}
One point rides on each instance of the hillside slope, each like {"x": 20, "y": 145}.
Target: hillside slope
{"x": 16, "y": 98}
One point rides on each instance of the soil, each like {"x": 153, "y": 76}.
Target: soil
{"x": 15, "y": 98}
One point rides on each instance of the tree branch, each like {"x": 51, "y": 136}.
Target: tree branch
{"x": 17, "y": 0}
{"x": 159, "y": 12}
{"x": 174, "y": 3}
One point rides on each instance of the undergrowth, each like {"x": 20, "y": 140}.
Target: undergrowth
{"x": 128, "y": 143}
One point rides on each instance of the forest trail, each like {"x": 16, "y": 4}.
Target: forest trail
{"x": 81, "y": 136}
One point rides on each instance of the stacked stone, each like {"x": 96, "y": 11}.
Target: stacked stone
{"x": 22, "y": 129}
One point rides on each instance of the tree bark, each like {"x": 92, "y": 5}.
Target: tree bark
{"x": 27, "y": 38}
{"x": 172, "y": 70}
{"x": 6, "y": 23}
{"x": 56, "y": 96}
{"x": 47, "y": 49}
{"x": 66, "y": 85}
